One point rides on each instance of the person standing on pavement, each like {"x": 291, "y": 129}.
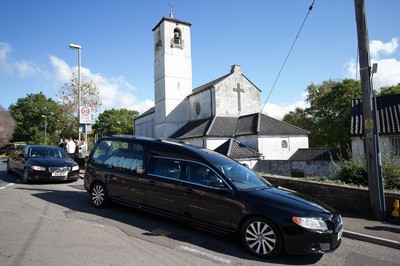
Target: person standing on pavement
{"x": 70, "y": 147}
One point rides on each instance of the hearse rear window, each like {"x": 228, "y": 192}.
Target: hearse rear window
{"x": 119, "y": 154}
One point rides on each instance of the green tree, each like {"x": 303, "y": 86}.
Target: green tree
{"x": 115, "y": 121}
{"x": 69, "y": 102}
{"x": 328, "y": 114}
{"x": 395, "y": 89}
{"x": 29, "y": 115}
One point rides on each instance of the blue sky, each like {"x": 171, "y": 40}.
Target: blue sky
{"x": 117, "y": 45}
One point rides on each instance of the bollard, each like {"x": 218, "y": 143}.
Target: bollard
{"x": 395, "y": 212}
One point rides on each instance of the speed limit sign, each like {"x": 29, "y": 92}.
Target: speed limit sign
{"x": 85, "y": 116}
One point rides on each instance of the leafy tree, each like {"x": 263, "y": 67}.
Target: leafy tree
{"x": 68, "y": 96}
{"x": 115, "y": 121}
{"x": 28, "y": 113}
{"x": 328, "y": 116}
{"x": 7, "y": 126}
{"x": 395, "y": 89}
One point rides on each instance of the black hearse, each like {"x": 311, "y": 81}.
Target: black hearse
{"x": 211, "y": 191}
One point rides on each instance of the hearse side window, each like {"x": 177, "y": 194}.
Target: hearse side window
{"x": 119, "y": 154}
{"x": 166, "y": 167}
{"x": 202, "y": 175}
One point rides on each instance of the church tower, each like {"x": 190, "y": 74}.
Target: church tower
{"x": 172, "y": 75}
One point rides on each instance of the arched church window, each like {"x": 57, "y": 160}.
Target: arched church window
{"x": 177, "y": 37}
{"x": 284, "y": 144}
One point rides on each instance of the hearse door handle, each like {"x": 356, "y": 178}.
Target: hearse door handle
{"x": 188, "y": 191}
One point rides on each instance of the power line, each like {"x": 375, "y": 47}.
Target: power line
{"x": 290, "y": 50}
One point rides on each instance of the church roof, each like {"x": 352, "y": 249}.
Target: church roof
{"x": 171, "y": 20}
{"x": 236, "y": 150}
{"x": 253, "y": 124}
{"x": 150, "y": 111}
{"x": 388, "y": 107}
{"x": 215, "y": 82}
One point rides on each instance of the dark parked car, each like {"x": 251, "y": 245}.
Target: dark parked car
{"x": 211, "y": 191}
{"x": 42, "y": 163}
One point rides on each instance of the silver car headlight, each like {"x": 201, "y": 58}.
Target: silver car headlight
{"x": 74, "y": 168}
{"x": 38, "y": 168}
{"x": 310, "y": 223}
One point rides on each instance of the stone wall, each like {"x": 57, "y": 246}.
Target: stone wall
{"x": 297, "y": 168}
{"x": 343, "y": 198}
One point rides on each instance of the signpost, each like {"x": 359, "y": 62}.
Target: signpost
{"x": 86, "y": 115}
{"x": 85, "y": 118}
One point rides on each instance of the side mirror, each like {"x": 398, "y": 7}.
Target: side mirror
{"x": 217, "y": 184}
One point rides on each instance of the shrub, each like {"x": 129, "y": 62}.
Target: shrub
{"x": 354, "y": 171}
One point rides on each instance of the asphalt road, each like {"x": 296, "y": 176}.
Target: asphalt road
{"x": 55, "y": 224}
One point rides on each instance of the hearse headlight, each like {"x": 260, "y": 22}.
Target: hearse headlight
{"x": 310, "y": 223}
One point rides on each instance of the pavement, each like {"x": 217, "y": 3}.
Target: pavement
{"x": 377, "y": 232}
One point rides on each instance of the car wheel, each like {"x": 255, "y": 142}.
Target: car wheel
{"x": 25, "y": 176}
{"x": 99, "y": 195}
{"x": 261, "y": 237}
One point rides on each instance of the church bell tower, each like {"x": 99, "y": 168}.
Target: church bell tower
{"x": 172, "y": 75}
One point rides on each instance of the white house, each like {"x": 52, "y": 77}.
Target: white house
{"x": 388, "y": 121}
{"x": 213, "y": 114}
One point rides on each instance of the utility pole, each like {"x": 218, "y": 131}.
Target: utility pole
{"x": 369, "y": 126}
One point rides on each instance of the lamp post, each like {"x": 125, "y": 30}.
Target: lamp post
{"x": 45, "y": 128}
{"x": 78, "y": 47}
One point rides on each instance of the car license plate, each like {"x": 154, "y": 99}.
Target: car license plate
{"x": 59, "y": 174}
{"x": 339, "y": 236}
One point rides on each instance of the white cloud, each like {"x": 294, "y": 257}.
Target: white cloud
{"x": 277, "y": 111}
{"x": 62, "y": 72}
{"x": 22, "y": 68}
{"x": 388, "y": 73}
{"x": 377, "y": 48}
{"x": 115, "y": 92}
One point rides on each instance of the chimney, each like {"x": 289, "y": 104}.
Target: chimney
{"x": 236, "y": 68}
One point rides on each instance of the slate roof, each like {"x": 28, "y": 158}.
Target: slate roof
{"x": 214, "y": 82}
{"x": 388, "y": 107}
{"x": 151, "y": 110}
{"x": 236, "y": 150}
{"x": 253, "y": 124}
{"x": 319, "y": 154}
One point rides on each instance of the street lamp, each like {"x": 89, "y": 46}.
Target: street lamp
{"x": 78, "y": 47}
{"x": 45, "y": 128}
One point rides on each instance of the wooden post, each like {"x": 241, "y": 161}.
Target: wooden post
{"x": 369, "y": 144}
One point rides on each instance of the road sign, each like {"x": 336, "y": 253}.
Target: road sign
{"x": 85, "y": 115}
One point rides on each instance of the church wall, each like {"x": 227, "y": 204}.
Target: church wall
{"x": 144, "y": 126}
{"x": 200, "y": 105}
{"x": 195, "y": 141}
{"x": 274, "y": 148}
{"x": 227, "y": 99}
{"x": 250, "y": 141}
{"x": 212, "y": 144}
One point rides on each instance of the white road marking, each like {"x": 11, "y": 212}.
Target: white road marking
{"x": 204, "y": 254}
{"x": 10, "y": 184}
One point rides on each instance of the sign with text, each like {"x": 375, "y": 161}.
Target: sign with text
{"x": 85, "y": 116}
